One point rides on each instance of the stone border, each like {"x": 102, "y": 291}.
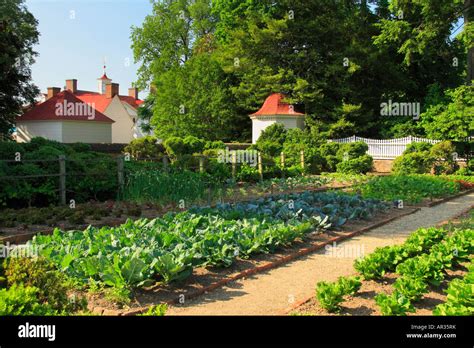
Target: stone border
{"x": 308, "y": 299}
{"x": 259, "y": 269}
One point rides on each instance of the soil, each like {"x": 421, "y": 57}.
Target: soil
{"x": 363, "y": 303}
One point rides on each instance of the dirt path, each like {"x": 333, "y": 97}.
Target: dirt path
{"x": 272, "y": 292}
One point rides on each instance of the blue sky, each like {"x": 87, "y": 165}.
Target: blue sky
{"x": 76, "y": 35}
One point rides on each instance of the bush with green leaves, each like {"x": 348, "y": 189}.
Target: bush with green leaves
{"x": 359, "y": 165}
{"x": 88, "y": 173}
{"x": 247, "y": 173}
{"x": 444, "y": 157}
{"x": 41, "y": 274}
{"x": 177, "y": 147}
{"x": 416, "y": 159}
{"x": 271, "y": 140}
{"x": 145, "y": 148}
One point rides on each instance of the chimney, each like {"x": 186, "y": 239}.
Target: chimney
{"x": 52, "y": 91}
{"x": 111, "y": 90}
{"x": 133, "y": 92}
{"x": 71, "y": 85}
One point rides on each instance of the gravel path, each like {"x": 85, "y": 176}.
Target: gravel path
{"x": 274, "y": 291}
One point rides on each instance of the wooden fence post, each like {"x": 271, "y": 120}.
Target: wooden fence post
{"x": 282, "y": 162}
{"x": 62, "y": 179}
{"x": 302, "y": 161}
{"x": 201, "y": 164}
{"x": 120, "y": 173}
{"x": 260, "y": 166}
{"x": 234, "y": 164}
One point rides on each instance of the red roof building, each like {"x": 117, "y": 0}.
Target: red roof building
{"x": 120, "y": 112}
{"x": 275, "y": 110}
{"x": 274, "y": 105}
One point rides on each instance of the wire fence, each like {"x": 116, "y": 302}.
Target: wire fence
{"x": 124, "y": 169}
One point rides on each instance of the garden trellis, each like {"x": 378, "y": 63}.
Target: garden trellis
{"x": 385, "y": 148}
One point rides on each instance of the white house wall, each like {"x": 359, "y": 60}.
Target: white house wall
{"x": 87, "y": 132}
{"x": 260, "y": 123}
{"x": 46, "y": 129}
{"x": 122, "y": 129}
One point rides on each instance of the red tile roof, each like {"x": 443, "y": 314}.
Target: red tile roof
{"x": 102, "y": 102}
{"x": 274, "y": 105}
{"x": 104, "y": 77}
{"x": 46, "y": 111}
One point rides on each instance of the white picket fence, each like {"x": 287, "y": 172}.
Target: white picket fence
{"x": 385, "y": 148}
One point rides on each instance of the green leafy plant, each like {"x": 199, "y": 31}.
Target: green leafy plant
{"x": 330, "y": 295}
{"x": 410, "y": 287}
{"x": 156, "y": 311}
{"x": 394, "y": 304}
{"x": 21, "y": 300}
{"x": 41, "y": 274}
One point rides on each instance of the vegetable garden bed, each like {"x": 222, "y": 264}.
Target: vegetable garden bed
{"x": 431, "y": 273}
{"x": 206, "y": 279}
{"x": 20, "y": 225}
{"x": 144, "y": 253}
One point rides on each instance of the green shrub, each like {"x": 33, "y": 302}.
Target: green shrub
{"x": 442, "y": 154}
{"x": 352, "y": 150}
{"x": 248, "y": 173}
{"x": 418, "y": 147}
{"x": 8, "y": 150}
{"x": 41, "y": 274}
{"x": 271, "y": 140}
{"x": 37, "y": 143}
{"x": 358, "y": 165}
{"x": 80, "y": 147}
{"x": 177, "y": 147}
{"x": 412, "y": 163}
{"x": 214, "y": 145}
{"x": 88, "y": 177}
{"x": 416, "y": 159}
{"x": 144, "y": 148}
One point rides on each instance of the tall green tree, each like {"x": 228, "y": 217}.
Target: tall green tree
{"x": 18, "y": 35}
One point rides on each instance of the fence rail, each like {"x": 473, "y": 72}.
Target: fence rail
{"x": 385, "y": 148}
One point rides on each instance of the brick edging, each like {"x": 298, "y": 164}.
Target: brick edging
{"x": 446, "y": 199}
{"x": 271, "y": 265}
{"x": 308, "y": 299}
